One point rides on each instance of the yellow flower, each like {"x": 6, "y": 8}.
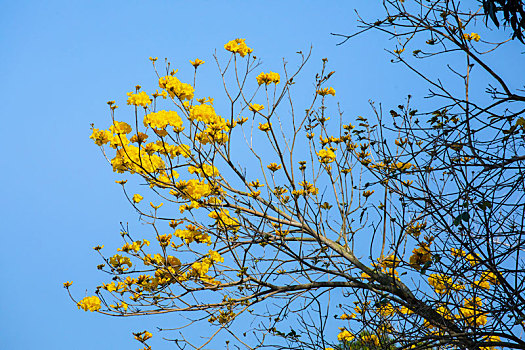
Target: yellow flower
{"x": 472, "y": 259}
{"x": 101, "y": 137}
{"x": 120, "y": 128}
{"x": 326, "y": 91}
{"x": 67, "y": 284}
{"x": 117, "y": 261}
{"x": 137, "y": 198}
{"x": 196, "y": 63}
{"x": 471, "y": 36}
{"x": 142, "y": 336}
{"x": 138, "y": 99}
{"x": 274, "y": 166}
{"x": 481, "y": 284}
{"x": 399, "y": 51}
{"x": 367, "y": 194}
{"x": 98, "y": 247}
{"x": 371, "y": 339}
{"x": 268, "y": 78}
{"x": 345, "y": 335}
{"x": 153, "y": 59}
{"x": 457, "y": 252}
{"x": 175, "y": 87}
{"x": 162, "y": 119}
{"x": 238, "y": 46}
{"x": 215, "y": 256}
{"x": 254, "y": 107}
{"x": 265, "y": 127}
{"x": 89, "y": 304}
{"x": 326, "y": 156}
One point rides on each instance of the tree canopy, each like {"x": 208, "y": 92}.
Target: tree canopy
{"x": 269, "y": 218}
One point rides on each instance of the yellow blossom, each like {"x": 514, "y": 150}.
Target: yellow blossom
{"x": 345, "y": 335}
{"x": 161, "y": 119}
{"x": 254, "y": 107}
{"x": 138, "y": 99}
{"x": 326, "y": 156}
{"x": 471, "y": 36}
{"x": 265, "y": 127}
{"x": 196, "y": 63}
{"x": 274, "y": 166}
{"x": 326, "y": 91}
{"x": 370, "y": 339}
{"x": 137, "y": 198}
{"x": 101, "y": 137}
{"x": 367, "y": 194}
{"x": 175, "y": 87}
{"x": 238, "y": 46}
{"x": 89, "y": 304}
{"x": 67, "y": 284}
{"x": 268, "y": 78}
{"x": 143, "y": 336}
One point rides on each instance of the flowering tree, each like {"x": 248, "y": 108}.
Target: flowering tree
{"x": 270, "y": 217}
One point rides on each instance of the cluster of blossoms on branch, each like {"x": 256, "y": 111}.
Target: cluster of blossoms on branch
{"x": 273, "y": 207}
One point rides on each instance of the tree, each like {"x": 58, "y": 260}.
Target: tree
{"x": 411, "y": 224}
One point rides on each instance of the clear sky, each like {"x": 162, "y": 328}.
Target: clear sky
{"x": 60, "y": 62}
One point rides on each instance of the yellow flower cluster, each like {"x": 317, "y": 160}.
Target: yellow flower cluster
{"x": 400, "y": 166}
{"x": 196, "y": 63}
{"x": 274, "y": 166}
{"x": 420, "y": 256}
{"x": 368, "y": 193}
{"x": 224, "y": 221}
{"x": 193, "y": 234}
{"x": 138, "y": 99}
{"x": 265, "y": 127}
{"x": 131, "y": 159}
{"x": 414, "y": 229}
{"x": 204, "y": 170}
{"x": 135, "y": 246}
{"x": 370, "y": 339}
{"x": 326, "y": 155}
{"x": 101, "y": 137}
{"x": 89, "y": 304}
{"x": 175, "y": 87}
{"x": 268, "y": 78}
{"x": 443, "y": 284}
{"x": 471, "y": 36}
{"x": 118, "y": 261}
{"x": 472, "y": 313}
{"x": 326, "y": 91}
{"x": 254, "y": 107}
{"x": 238, "y": 46}
{"x": 216, "y": 127}
{"x": 120, "y": 128}
{"x": 308, "y": 189}
{"x": 345, "y": 335}
{"x": 143, "y": 336}
{"x": 161, "y": 119}
{"x": 193, "y": 189}
{"x": 112, "y": 287}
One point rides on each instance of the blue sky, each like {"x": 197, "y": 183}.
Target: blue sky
{"x": 60, "y": 62}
